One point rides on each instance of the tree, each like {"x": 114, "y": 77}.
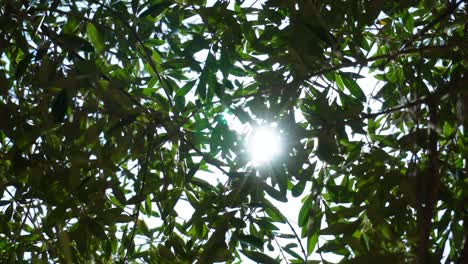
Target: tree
{"x": 110, "y": 110}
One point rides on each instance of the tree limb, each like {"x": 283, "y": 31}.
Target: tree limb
{"x": 435, "y": 97}
{"x": 403, "y": 51}
{"x": 430, "y": 186}
{"x": 447, "y": 12}
{"x": 464, "y": 253}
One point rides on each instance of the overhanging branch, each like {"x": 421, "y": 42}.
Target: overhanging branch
{"x": 431, "y": 186}
{"x": 403, "y": 51}
{"x": 435, "y": 96}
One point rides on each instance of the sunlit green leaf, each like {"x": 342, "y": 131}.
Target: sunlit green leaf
{"x": 94, "y": 37}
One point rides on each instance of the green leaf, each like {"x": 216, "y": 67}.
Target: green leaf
{"x": 97, "y": 229}
{"x": 59, "y": 106}
{"x": 259, "y": 257}
{"x": 243, "y": 116}
{"x": 251, "y": 240}
{"x": 185, "y": 89}
{"x": 7, "y": 214}
{"x": 276, "y": 194}
{"x": 123, "y": 218}
{"x": 288, "y": 248}
{"x": 155, "y": 9}
{"x": 354, "y": 88}
{"x": 448, "y": 129}
{"x": 162, "y": 102}
{"x": 94, "y": 37}
{"x": 166, "y": 253}
{"x": 304, "y": 211}
{"x": 202, "y": 86}
{"x": 287, "y": 236}
{"x": 339, "y": 82}
{"x": 22, "y": 66}
{"x": 327, "y": 147}
{"x": 298, "y": 189}
{"x": 216, "y": 249}
{"x": 265, "y": 224}
{"x": 4, "y": 202}
{"x": 273, "y": 212}
{"x": 176, "y": 64}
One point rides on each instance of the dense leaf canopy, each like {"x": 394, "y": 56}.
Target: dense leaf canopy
{"x": 115, "y": 113}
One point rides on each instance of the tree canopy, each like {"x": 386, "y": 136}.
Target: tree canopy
{"x": 114, "y": 112}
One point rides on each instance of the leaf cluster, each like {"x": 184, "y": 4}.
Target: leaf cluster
{"x": 115, "y": 115}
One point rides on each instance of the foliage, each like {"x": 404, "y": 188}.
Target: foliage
{"x": 112, "y": 110}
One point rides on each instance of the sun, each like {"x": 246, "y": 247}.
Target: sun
{"x": 264, "y": 144}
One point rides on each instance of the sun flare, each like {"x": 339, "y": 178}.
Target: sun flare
{"x": 264, "y": 144}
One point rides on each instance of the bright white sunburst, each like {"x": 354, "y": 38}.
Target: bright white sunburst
{"x": 264, "y": 143}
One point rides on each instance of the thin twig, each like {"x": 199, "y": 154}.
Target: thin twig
{"x": 388, "y": 56}
{"x": 149, "y": 152}
{"x": 438, "y": 94}
{"x": 280, "y": 249}
{"x": 403, "y": 51}
{"x": 297, "y": 238}
{"x": 447, "y": 12}
{"x": 209, "y": 160}
{"x": 320, "y": 252}
{"x": 28, "y": 215}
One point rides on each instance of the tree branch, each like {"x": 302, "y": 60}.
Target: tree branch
{"x": 463, "y": 258}
{"x": 464, "y": 253}
{"x": 389, "y": 56}
{"x": 447, "y": 12}
{"x": 403, "y": 51}
{"x": 435, "y": 96}
{"x": 430, "y": 189}
{"x": 397, "y": 108}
